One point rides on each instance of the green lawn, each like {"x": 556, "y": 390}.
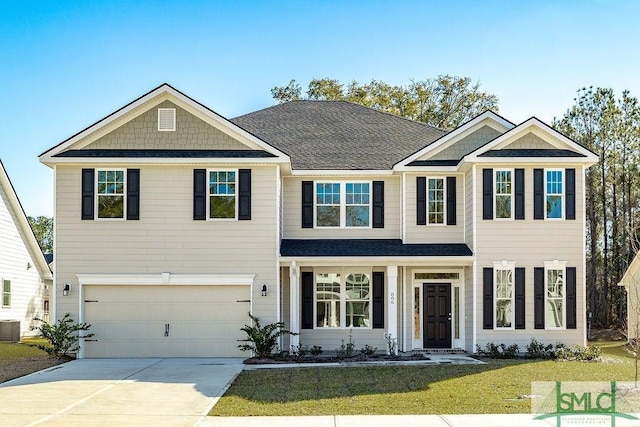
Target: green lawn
{"x": 497, "y": 387}
{"x": 15, "y": 351}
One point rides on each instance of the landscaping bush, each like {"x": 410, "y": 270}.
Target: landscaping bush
{"x": 63, "y": 336}
{"x": 299, "y": 352}
{"x": 346, "y": 350}
{"x": 316, "y": 350}
{"x": 501, "y": 351}
{"x": 579, "y": 352}
{"x": 263, "y": 339}
{"x": 537, "y": 350}
{"x": 367, "y": 350}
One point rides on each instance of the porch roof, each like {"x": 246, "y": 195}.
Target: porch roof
{"x": 369, "y": 248}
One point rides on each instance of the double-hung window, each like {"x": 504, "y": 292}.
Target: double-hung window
{"x": 435, "y": 201}
{"x": 343, "y": 300}
{"x": 6, "y": 293}
{"x": 343, "y": 204}
{"x": 222, "y": 194}
{"x": 554, "y": 193}
{"x": 504, "y": 293}
{"x": 503, "y": 199}
{"x": 555, "y": 297}
{"x": 110, "y": 190}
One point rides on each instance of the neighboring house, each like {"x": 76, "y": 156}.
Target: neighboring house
{"x": 172, "y": 223}
{"x": 631, "y": 283}
{"x": 25, "y": 277}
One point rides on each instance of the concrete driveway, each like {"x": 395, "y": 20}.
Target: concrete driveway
{"x": 117, "y": 392}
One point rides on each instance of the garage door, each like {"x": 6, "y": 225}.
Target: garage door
{"x": 165, "y": 321}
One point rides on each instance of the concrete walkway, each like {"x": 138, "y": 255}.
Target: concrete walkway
{"x": 117, "y": 392}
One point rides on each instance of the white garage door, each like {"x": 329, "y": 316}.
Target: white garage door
{"x": 165, "y": 321}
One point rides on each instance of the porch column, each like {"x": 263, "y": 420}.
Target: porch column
{"x": 294, "y": 303}
{"x": 392, "y": 302}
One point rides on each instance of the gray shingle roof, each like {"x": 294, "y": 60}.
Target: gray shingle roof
{"x": 369, "y": 247}
{"x": 126, "y": 153}
{"x": 338, "y": 134}
{"x": 531, "y": 152}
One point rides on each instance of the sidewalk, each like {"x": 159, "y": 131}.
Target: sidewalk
{"x": 488, "y": 420}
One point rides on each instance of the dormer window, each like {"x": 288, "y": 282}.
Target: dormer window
{"x": 166, "y": 119}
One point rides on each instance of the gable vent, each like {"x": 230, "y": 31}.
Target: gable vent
{"x": 166, "y": 119}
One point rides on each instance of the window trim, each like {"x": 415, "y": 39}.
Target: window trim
{"x": 561, "y": 194}
{"x": 209, "y": 195}
{"x": 508, "y": 266}
{"x": 343, "y": 205}
{"x": 511, "y": 194}
{"x": 556, "y": 265}
{"x": 3, "y": 281}
{"x": 444, "y": 201}
{"x": 343, "y": 272}
{"x": 97, "y": 194}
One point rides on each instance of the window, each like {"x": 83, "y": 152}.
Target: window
{"x": 343, "y": 204}
{"x": 328, "y": 204}
{"x": 553, "y": 193}
{"x": 435, "y": 205}
{"x": 503, "y": 194}
{"x": 436, "y": 276}
{"x": 222, "y": 194}
{"x": 504, "y": 297}
{"x": 6, "y": 293}
{"x": 110, "y": 188}
{"x": 554, "y": 298}
{"x": 343, "y": 303}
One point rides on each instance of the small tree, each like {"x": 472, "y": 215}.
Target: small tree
{"x": 263, "y": 339}
{"x": 63, "y": 336}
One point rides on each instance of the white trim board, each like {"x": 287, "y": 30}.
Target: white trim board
{"x": 166, "y": 279}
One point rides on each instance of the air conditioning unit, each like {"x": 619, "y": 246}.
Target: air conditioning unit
{"x": 10, "y": 330}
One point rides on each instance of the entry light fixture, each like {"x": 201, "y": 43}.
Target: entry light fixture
{"x": 66, "y": 289}
{"x": 265, "y": 290}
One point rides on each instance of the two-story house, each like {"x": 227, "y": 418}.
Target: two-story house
{"x": 172, "y": 223}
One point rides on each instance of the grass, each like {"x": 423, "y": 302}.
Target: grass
{"x": 497, "y": 387}
{"x": 10, "y": 352}
{"x": 18, "y": 359}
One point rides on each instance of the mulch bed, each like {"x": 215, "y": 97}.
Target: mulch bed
{"x": 329, "y": 359}
{"x": 18, "y": 368}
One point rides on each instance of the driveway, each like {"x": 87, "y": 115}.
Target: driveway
{"x": 117, "y": 392}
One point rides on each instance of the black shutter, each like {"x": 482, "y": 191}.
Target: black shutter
{"x": 451, "y": 200}
{"x": 133, "y": 194}
{"x": 519, "y": 186}
{"x": 520, "y": 302}
{"x": 307, "y": 204}
{"x": 538, "y": 194}
{"x": 378, "y": 204}
{"x": 88, "y": 179}
{"x": 421, "y": 200}
{"x": 307, "y": 300}
{"x": 570, "y": 191}
{"x": 378, "y": 300}
{"x": 538, "y": 297}
{"x": 244, "y": 194}
{"x": 571, "y": 298}
{"x": 199, "y": 194}
{"x": 487, "y": 298}
{"x": 487, "y": 194}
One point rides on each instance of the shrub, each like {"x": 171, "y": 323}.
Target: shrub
{"x": 298, "y": 352}
{"x": 537, "y": 350}
{"x": 367, "y": 350}
{"x": 346, "y": 350}
{"x": 579, "y": 353}
{"x": 63, "y": 336}
{"x": 263, "y": 339}
{"x": 392, "y": 344}
{"x": 501, "y": 351}
{"x": 316, "y": 350}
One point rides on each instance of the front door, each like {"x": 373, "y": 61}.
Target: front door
{"x": 437, "y": 315}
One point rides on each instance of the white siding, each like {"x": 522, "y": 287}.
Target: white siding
{"x": 529, "y": 243}
{"x": 166, "y": 238}
{"x": 26, "y": 285}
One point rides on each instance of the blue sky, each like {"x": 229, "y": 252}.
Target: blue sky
{"x": 65, "y": 65}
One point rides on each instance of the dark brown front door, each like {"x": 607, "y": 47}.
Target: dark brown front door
{"x": 437, "y": 315}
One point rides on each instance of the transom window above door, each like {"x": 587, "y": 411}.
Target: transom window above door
{"x": 343, "y": 204}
